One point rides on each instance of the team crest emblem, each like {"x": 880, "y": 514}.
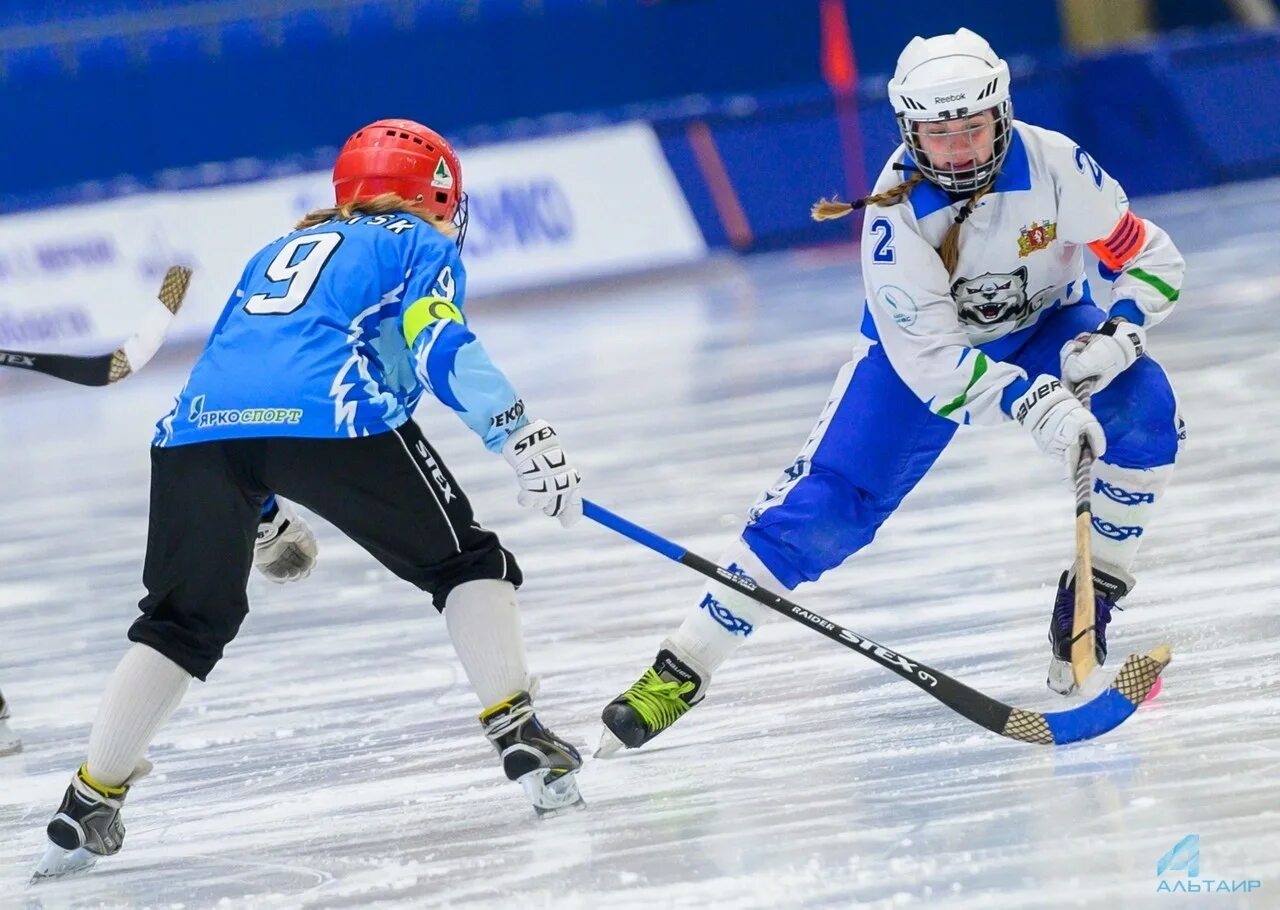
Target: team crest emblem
{"x": 1036, "y": 237}
{"x": 442, "y": 179}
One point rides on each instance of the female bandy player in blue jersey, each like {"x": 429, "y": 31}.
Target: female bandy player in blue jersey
{"x": 980, "y": 312}
{"x": 305, "y": 389}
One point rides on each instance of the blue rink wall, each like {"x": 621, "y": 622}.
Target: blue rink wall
{"x": 221, "y": 80}
{"x": 1178, "y": 113}
{"x": 565, "y": 199}
{"x": 1182, "y": 113}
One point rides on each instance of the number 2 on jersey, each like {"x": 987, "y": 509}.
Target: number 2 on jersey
{"x": 883, "y": 251}
{"x": 299, "y": 262}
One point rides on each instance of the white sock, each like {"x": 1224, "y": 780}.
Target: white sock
{"x": 484, "y": 622}
{"x": 144, "y": 690}
{"x": 724, "y": 618}
{"x": 1122, "y": 501}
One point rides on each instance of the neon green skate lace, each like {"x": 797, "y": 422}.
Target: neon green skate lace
{"x": 658, "y": 701}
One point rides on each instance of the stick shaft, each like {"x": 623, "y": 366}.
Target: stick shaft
{"x": 1083, "y": 638}
{"x": 104, "y": 369}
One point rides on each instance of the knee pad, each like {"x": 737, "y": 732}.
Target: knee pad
{"x": 1139, "y": 412}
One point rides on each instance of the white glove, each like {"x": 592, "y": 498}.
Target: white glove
{"x": 547, "y": 480}
{"x": 286, "y": 549}
{"x": 1058, "y": 421}
{"x": 1102, "y": 355}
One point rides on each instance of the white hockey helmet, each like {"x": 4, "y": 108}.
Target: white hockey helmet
{"x": 948, "y": 77}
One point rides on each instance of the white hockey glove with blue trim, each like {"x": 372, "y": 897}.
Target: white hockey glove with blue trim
{"x": 547, "y": 480}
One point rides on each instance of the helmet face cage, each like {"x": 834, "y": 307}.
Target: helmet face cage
{"x": 461, "y": 218}
{"x": 969, "y": 179}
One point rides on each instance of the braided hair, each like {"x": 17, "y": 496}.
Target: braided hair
{"x": 828, "y": 209}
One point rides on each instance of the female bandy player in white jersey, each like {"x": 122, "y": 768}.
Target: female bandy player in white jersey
{"x": 978, "y": 304}
{"x": 305, "y": 389}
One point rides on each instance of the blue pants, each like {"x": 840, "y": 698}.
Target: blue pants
{"x": 881, "y": 440}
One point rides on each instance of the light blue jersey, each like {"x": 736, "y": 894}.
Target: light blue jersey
{"x": 335, "y": 331}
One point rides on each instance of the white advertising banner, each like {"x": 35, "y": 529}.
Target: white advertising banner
{"x": 543, "y": 212}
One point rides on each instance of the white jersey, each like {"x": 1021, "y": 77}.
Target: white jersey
{"x": 1021, "y": 257}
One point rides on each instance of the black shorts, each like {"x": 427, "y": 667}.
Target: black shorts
{"x": 390, "y": 493}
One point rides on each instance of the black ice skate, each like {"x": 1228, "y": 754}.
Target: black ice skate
{"x": 542, "y": 763}
{"x": 1107, "y": 590}
{"x": 9, "y": 741}
{"x": 87, "y": 825}
{"x": 660, "y": 697}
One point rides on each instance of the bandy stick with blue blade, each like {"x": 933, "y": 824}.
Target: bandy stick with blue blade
{"x": 1101, "y": 714}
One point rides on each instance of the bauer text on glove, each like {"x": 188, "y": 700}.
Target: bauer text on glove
{"x": 1058, "y": 421}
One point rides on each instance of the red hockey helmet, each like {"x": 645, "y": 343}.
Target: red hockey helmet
{"x": 402, "y": 157}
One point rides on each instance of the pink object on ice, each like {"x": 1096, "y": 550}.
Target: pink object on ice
{"x": 1155, "y": 690}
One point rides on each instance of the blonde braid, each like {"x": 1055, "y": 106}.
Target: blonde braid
{"x": 950, "y": 249}
{"x": 827, "y": 209}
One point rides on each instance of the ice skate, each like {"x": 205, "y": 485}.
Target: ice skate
{"x": 87, "y": 825}
{"x": 660, "y": 697}
{"x": 9, "y": 741}
{"x": 1107, "y": 590}
{"x": 542, "y": 763}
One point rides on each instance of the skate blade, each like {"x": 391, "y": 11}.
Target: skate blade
{"x": 58, "y": 862}
{"x": 551, "y": 796}
{"x": 1060, "y": 678}
{"x": 1062, "y": 681}
{"x": 609, "y": 746}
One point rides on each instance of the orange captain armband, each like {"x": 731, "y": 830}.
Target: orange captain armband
{"x": 1118, "y": 248}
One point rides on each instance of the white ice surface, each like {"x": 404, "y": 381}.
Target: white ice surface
{"x": 334, "y": 758}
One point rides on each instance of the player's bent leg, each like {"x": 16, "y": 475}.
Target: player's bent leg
{"x": 143, "y": 691}
{"x": 394, "y": 496}
{"x": 483, "y": 618}
{"x": 681, "y": 673}
{"x": 1139, "y": 413}
{"x": 200, "y": 539}
{"x": 872, "y": 443}
{"x": 202, "y": 527}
